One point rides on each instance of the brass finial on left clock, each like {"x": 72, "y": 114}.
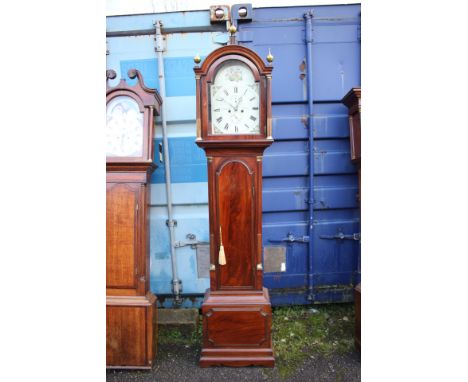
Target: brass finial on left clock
{"x": 197, "y": 59}
{"x": 270, "y": 56}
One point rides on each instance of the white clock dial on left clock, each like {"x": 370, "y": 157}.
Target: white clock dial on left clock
{"x": 124, "y": 130}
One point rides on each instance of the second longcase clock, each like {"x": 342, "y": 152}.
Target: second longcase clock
{"x": 234, "y": 129}
{"x": 130, "y": 306}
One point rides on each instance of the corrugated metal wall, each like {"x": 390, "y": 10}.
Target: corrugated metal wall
{"x": 328, "y": 272}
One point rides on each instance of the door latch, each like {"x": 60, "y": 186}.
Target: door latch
{"x": 290, "y": 238}
{"x": 341, "y": 236}
{"x": 191, "y": 240}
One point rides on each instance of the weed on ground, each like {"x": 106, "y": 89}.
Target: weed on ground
{"x": 299, "y": 333}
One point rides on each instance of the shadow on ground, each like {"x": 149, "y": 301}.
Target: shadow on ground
{"x": 311, "y": 344}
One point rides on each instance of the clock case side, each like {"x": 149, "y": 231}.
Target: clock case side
{"x": 205, "y": 75}
{"x": 353, "y": 101}
{"x": 149, "y": 102}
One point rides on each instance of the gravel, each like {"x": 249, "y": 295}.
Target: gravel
{"x": 179, "y": 363}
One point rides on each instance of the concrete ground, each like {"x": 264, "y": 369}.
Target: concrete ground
{"x": 179, "y": 363}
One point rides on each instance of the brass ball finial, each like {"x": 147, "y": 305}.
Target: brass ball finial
{"x": 232, "y": 29}
{"x": 269, "y": 57}
{"x": 197, "y": 59}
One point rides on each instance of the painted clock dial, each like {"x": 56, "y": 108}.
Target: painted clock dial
{"x": 124, "y": 130}
{"x": 234, "y": 99}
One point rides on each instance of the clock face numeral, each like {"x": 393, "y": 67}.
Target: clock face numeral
{"x": 235, "y": 95}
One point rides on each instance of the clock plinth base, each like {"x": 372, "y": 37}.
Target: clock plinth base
{"x": 237, "y": 329}
{"x": 131, "y": 331}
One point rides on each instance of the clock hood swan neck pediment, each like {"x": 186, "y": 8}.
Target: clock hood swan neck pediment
{"x": 147, "y": 96}
{"x": 231, "y": 50}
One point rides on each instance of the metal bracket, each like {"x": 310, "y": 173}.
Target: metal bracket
{"x": 309, "y": 15}
{"x": 160, "y": 149}
{"x": 290, "y": 238}
{"x": 171, "y": 223}
{"x": 192, "y": 241}
{"x": 242, "y": 12}
{"x": 341, "y": 236}
{"x": 176, "y": 286}
{"x": 158, "y": 38}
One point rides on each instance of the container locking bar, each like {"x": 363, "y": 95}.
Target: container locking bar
{"x": 290, "y": 238}
{"x": 341, "y": 236}
{"x": 192, "y": 241}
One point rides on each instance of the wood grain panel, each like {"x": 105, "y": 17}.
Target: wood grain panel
{"x": 121, "y": 236}
{"x": 236, "y": 326}
{"x": 236, "y": 209}
{"x": 126, "y": 336}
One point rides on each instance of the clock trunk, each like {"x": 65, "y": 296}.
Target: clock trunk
{"x": 235, "y": 205}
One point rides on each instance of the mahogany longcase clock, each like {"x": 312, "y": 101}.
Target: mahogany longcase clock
{"x": 130, "y": 306}
{"x": 234, "y": 129}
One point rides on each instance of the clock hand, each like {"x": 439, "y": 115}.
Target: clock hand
{"x": 230, "y": 105}
{"x": 238, "y": 103}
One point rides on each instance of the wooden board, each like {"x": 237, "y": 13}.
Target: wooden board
{"x": 130, "y": 332}
{"x": 121, "y": 235}
{"x": 237, "y": 329}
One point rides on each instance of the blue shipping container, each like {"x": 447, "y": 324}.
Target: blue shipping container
{"x": 309, "y": 253}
